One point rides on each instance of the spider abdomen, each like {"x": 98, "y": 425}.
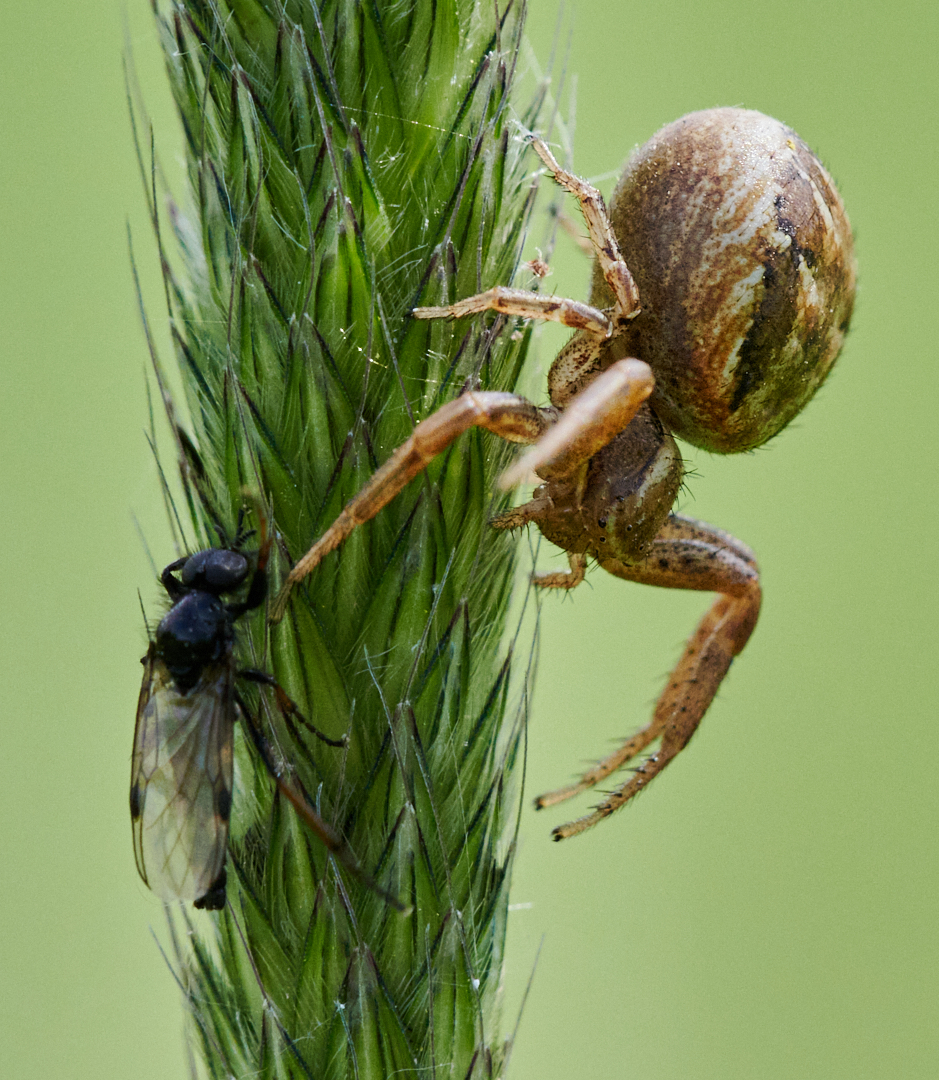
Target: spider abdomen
{"x": 742, "y": 252}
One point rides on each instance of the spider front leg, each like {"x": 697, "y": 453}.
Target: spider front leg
{"x": 602, "y": 238}
{"x": 509, "y": 416}
{"x": 686, "y": 554}
{"x": 592, "y": 419}
{"x": 529, "y": 305}
{"x": 578, "y": 362}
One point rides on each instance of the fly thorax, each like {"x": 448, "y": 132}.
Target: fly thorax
{"x": 631, "y": 487}
{"x": 194, "y": 632}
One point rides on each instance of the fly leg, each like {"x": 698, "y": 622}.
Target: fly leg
{"x": 295, "y": 793}
{"x": 686, "y": 554}
{"x": 288, "y": 707}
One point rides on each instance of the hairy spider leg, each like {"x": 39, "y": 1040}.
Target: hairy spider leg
{"x": 578, "y": 361}
{"x": 602, "y": 238}
{"x": 686, "y": 554}
{"x": 603, "y": 409}
{"x": 528, "y": 305}
{"x": 563, "y": 579}
{"x": 509, "y": 416}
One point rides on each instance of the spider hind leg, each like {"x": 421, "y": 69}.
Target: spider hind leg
{"x": 686, "y": 554}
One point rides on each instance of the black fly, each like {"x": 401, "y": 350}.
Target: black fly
{"x": 182, "y": 769}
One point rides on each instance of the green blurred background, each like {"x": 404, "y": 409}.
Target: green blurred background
{"x": 769, "y": 908}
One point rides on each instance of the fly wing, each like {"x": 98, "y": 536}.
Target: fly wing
{"x": 181, "y": 780}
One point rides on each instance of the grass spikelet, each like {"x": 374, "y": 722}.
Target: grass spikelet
{"x": 347, "y": 162}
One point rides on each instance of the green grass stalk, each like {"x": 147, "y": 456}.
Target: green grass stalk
{"x": 349, "y": 161}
